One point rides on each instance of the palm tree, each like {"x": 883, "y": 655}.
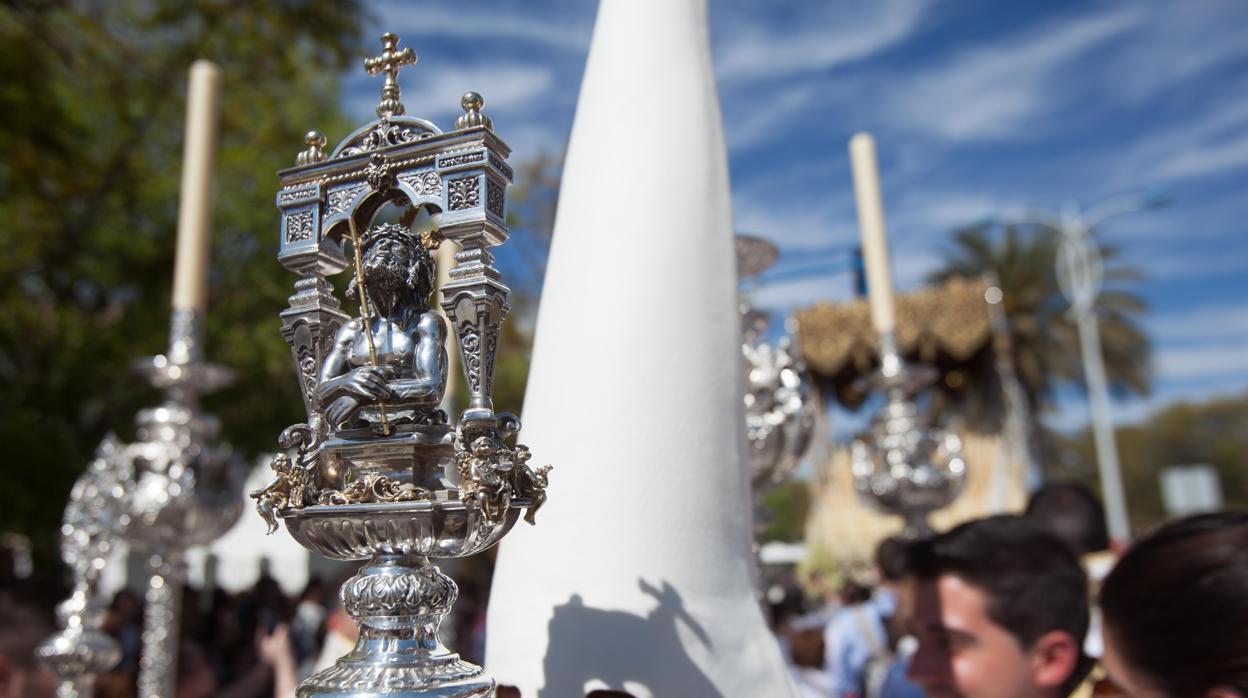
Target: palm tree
{"x": 1042, "y": 333}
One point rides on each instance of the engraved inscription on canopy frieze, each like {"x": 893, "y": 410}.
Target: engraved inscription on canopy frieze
{"x": 465, "y": 193}
{"x": 462, "y": 159}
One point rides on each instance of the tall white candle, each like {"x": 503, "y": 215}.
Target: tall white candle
{"x": 871, "y": 226}
{"x": 199, "y": 153}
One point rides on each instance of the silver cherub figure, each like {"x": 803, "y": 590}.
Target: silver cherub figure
{"x": 399, "y": 364}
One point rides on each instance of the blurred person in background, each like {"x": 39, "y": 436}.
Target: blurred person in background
{"x": 124, "y": 623}
{"x": 307, "y": 627}
{"x": 1072, "y": 512}
{"x": 272, "y": 675}
{"x": 856, "y": 651}
{"x": 1000, "y": 610}
{"x": 22, "y": 628}
{"x": 1176, "y": 611}
{"x": 892, "y": 604}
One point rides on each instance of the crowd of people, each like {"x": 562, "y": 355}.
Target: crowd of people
{"x": 1037, "y": 605}
{"x": 258, "y": 643}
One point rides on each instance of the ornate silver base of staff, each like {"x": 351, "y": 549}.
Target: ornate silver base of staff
{"x": 906, "y": 467}
{"x": 184, "y": 491}
{"x": 377, "y": 473}
{"x": 95, "y": 514}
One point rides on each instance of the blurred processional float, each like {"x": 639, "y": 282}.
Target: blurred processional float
{"x": 378, "y": 472}
{"x": 903, "y": 465}
{"x": 641, "y": 579}
{"x": 174, "y": 487}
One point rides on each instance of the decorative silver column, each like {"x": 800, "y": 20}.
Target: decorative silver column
{"x": 904, "y": 466}
{"x": 93, "y": 518}
{"x": 183, "y": 489}
{"x": 379, "y": 472}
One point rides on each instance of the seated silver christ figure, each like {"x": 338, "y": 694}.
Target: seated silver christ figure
{"x": 407, "y": 375}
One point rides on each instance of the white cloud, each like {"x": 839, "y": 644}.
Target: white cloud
{"x": 937, "y": 212}
{"x": 1203, "y": 323}
{"x": 996, "y": 91}
{"x": 1208, "y": 342}
{"x": 758, "y": 125}
{"x": 846, "y": 32}
{"x": 1170, "y": 264}
{"x": 1200, "y": 361}
{"x": 1205, "y": 159}
{"x": 1175, "y": 45}
{"x": 559, "y": 29}
{"x": 1212, "y": 143}
{"x": 827, "y": 224}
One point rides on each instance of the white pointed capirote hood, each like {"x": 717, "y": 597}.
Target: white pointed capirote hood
{"x": 638, "y": 575}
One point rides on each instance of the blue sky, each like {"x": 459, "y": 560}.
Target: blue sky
{"x": 979, "y": 109}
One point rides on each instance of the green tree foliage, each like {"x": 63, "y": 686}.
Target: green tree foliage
{"x": 1214, "y": 433}
{"x": 91, "y": 123}
{"x": 787, "y": 506}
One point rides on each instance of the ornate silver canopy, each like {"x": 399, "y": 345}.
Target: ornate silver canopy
{"x": 378, "y": 471}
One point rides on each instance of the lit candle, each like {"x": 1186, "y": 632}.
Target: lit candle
{"x": 190, "y": 271}
{"x": 871, "y": 225}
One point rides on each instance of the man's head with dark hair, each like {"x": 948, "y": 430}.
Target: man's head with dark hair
{"x": 1000, "y": 610}
{"x": 1071, "y": 512}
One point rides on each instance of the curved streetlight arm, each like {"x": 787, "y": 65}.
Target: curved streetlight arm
{"x": 1117, "y": 205}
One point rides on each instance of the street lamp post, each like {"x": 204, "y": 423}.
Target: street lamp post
{"x": 1080, "y": 274}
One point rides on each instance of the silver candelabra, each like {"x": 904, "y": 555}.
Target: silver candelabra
{"x": 904, "y": 466}
{"x": 93, "y": 519}
{"x": 378, "y": 472}
{"x": 183, "y": 489}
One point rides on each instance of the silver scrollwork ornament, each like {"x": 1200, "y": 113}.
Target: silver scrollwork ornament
{"x": 379, "y": 472}
{"x": 780, "y": 405}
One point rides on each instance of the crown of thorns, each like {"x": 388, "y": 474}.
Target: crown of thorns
{"x": 428, "y": 240}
